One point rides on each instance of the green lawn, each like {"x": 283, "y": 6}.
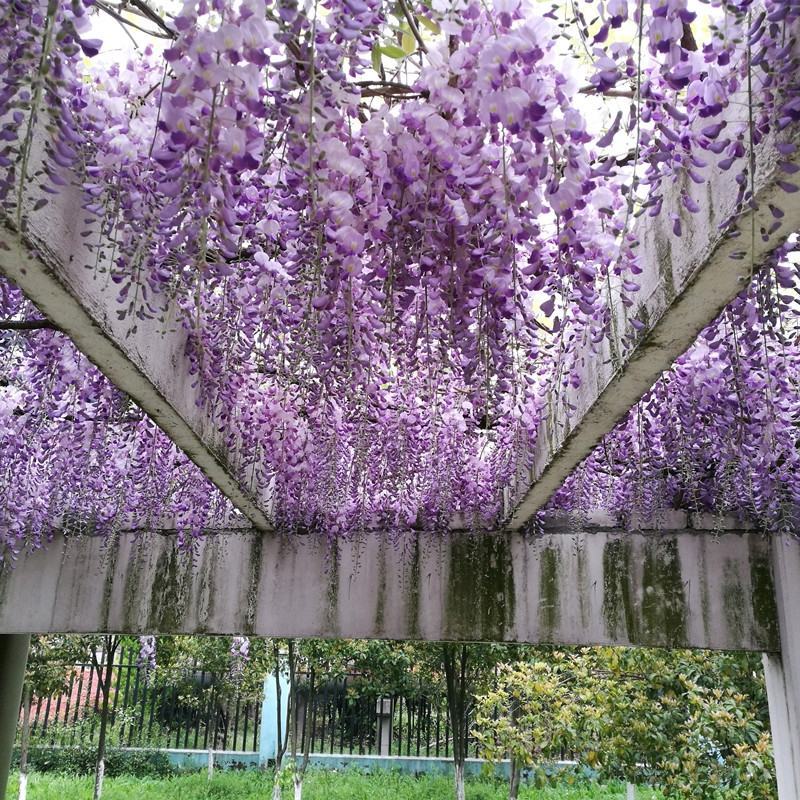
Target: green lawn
{"x": 318, "y": 786}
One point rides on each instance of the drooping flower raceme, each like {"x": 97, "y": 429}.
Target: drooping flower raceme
{"x": 388, "y": 250}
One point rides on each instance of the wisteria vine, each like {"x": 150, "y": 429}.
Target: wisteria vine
{"x": 388, "y": 228}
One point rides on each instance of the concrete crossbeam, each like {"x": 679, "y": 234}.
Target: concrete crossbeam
{"x": 601, "y": 586}
{"x": 686, "y": 283}
{"x": 66, "y": 274}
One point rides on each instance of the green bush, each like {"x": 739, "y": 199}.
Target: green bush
{"x": 81, "y": 761}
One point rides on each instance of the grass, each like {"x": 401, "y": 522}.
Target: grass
{"x": 318, "y": 785}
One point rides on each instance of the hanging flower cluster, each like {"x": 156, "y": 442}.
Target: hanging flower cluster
{"x": 388, "y": 230}
{"x": 76, "y": 454}
{"x": 718, "y": 432}
{"x": 146, "y": 660}
{"x": 240, "y": 655}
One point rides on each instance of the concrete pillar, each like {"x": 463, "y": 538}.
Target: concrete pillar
{"x": 383, "y": 709}
{"x": 13, "y": 657}
{"x": 269, "y": 734}
{"x": 782, "y": 671}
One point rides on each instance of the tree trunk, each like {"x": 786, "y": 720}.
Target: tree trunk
{"x": 106, "y": 672}
{"x": 454, "y": 660}
{"x": 276, "y": 788}
{"x": 300, "y": 766}
{"x": 459, "y": 778}
{"x": 516, "y": 774}
{"x": 25, "y": 743}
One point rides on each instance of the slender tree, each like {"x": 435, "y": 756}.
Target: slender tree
{"x": 282, "y": 663}
{"x": 104, "y": 667}
{"x": 300, "y": 765}
{"x": 455, "y": 660}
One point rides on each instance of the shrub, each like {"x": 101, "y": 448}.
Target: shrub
{"x": 81, "y": 761}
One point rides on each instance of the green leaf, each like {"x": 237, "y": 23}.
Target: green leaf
{"x": 376, "y": 58}
{"x": 392, "y": 50}
{"x": 430, "y": 24}
{"x": 409, "y": 43}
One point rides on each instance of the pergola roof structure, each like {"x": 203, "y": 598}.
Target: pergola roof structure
{"x": 709, "y": 227}
{"x": 388, "y": 309}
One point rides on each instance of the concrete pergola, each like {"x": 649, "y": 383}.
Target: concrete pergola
{"x": 690, "y": 582}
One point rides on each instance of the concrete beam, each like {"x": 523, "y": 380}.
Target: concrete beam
{"x": 782, "y": 670}
{"x": 600, "y": 586}
{"x": 685, "y": 284}
{"x": 66, "y": 274}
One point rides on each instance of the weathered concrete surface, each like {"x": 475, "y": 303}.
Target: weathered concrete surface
{"x": 67, "y": 276}
{"x": 782, "y": 671}
{"x": 670, "y": 588}
{"x": 685, "y": 284}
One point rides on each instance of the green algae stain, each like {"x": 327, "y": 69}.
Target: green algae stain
{"x": 583, "y": 586}
{"x": 733, "y": 600}
{"x": 380, "y": 605}
{"x": 549, "y": 608}
{"x": 480, "y": 591}
{"x": 413, "y": 592}
{"x": 130, "y": 596}
{"x": 110, "y": 562}
{"x": 166, "y": 602}
{"x": 663, "y": 598}
{"x": 618, "y": 607}
{"x": 664, "y": 255}
{"x": 765, "y": 609}
{"x": 331, "y": 610}
{"x": 254, "y": 582}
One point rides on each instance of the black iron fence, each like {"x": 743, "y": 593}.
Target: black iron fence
{"x": 339, "y": 719}
{"x": 200, "y": 710}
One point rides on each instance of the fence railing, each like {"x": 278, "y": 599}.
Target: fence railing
{"x": 192, "y": 713}
{"x": 340, "y": 721}
{"x": 199, "y": 710}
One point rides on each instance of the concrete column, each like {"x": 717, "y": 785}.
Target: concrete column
{"x": 269, "y": 734}
{"x": 383, "y": 709}
{"x": 13, "y": 657}
{"x": 782, "y": 671}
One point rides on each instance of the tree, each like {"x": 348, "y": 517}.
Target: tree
{"x": 692, "y": 722}
{"x": 103, "y": 665}
{"x": 282, "y": 664}
{"x": 455, "y": 661}
{"x": 527, "y": 715}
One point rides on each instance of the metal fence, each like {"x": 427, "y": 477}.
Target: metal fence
{"x": 195, "y": 712}
{"x": 340, "y": 720}
{"x": 341, "y": 716}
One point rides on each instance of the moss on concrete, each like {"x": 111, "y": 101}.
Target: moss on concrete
{"x": 618, "y": 608}
{"x": 480, "y": 590}
{"x": 380, "y": 605}
{"x": 663, "y": 601}
{"x": 762, "y": 587}
{"x": 733, "y": 600}
{"x": 413, "y": 588}
{"x": 166, "y": 597}
{"x": 254, "y": 582}
{"x": 549, "y": 596}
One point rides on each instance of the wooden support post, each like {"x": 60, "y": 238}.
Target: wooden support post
{"x": 13, "y": 657}
{"x": 782, "y": 671}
